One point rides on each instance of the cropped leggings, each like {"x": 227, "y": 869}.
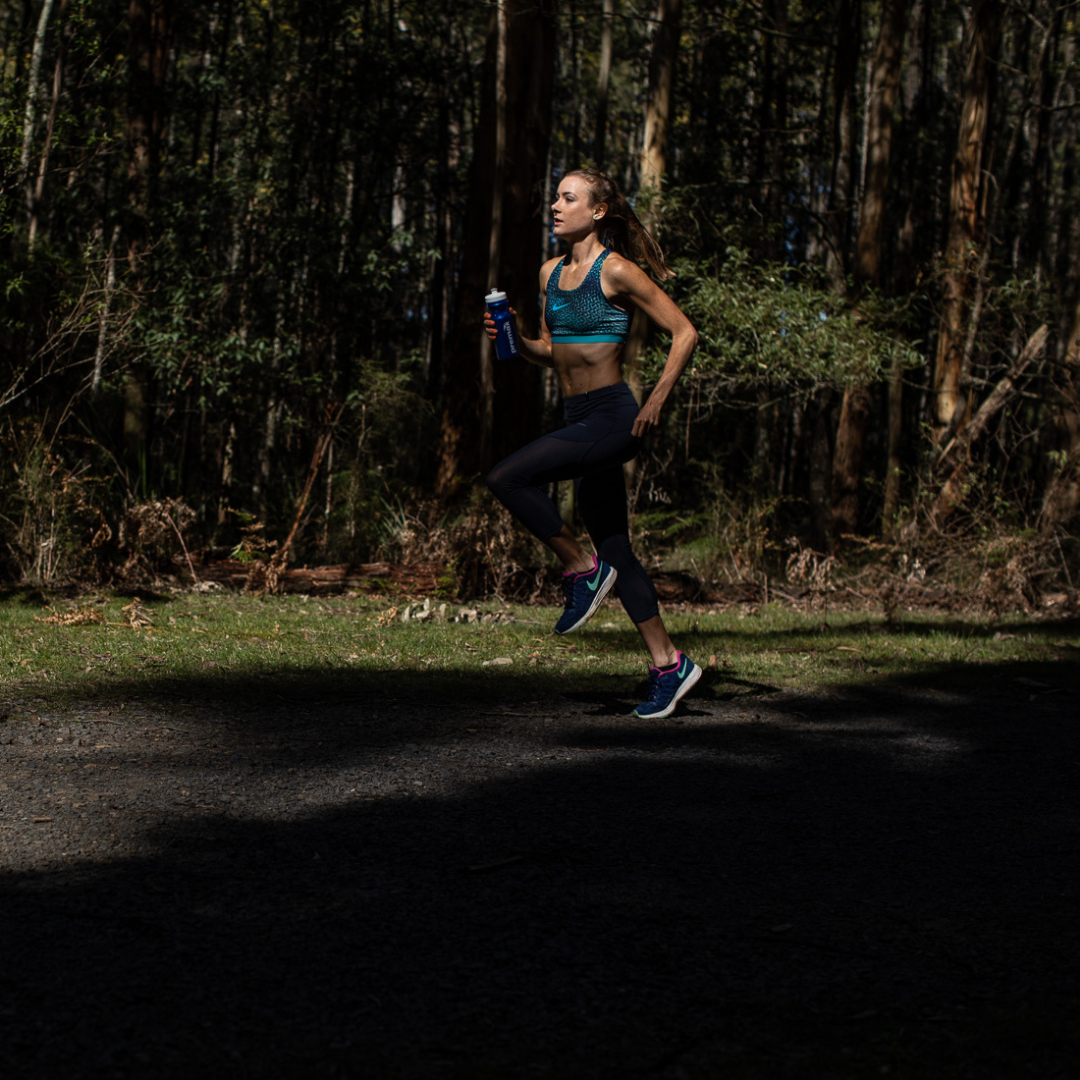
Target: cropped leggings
{"x": 591, "y": 451}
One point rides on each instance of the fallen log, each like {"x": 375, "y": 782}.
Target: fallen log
{"x": 419, "y": 578}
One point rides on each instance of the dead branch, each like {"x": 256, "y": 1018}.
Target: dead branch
{"x": 330, "y": 421}
{"x": 952, "y": 492}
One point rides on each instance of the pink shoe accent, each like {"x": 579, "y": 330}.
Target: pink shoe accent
{"x": 584, "y": 573}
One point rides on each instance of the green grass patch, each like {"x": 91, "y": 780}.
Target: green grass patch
{"x": 217, "y": 642}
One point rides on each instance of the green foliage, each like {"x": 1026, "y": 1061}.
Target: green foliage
{"x": 777, "y": 324}
{"x": 253, "y": 544}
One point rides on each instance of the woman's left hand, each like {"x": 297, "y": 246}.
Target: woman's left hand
{"x": 647, "y": 420}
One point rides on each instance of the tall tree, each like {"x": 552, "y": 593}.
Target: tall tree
{"x": 150, "y": 24}
{"x": 603, "y": 82}
{"x": 530, "y": 90}
{"x": 841, "y": 196}
{"x": 855, "y": 411}
{"x": 1061, "y": 500}
{"x": 35, "y": 187}
{"x": 504, "y": 206}
{"x": 965, "y": 216}
{"x": 33, "y": 95}
{"x": 654, "y": 152}
{"x": 653, "y": 162}
{"x": 773, "y": 144}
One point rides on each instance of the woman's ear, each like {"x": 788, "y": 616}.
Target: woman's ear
{"x": 599, "y": 211}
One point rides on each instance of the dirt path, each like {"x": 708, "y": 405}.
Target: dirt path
{"x": 322, "y": 880}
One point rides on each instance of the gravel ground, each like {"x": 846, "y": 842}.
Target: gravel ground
{"x": 320, "y": 879}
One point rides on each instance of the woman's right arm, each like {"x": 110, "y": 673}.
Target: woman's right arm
{"x": 538, "y": 351}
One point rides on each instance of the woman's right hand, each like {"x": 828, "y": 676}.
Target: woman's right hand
{"x": 489, "y": 323}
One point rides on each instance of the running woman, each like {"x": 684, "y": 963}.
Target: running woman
{"x": 588, "y": 298}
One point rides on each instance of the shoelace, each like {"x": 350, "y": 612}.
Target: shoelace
{"x": 568, "y": 591}
{"x": 652, "y": 691}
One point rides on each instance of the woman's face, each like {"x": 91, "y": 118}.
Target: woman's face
{"x": 573, "y": 209}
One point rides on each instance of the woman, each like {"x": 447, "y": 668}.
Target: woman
{"x": 587, "y": 300}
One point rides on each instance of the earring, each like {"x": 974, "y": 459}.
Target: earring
{"x": 596, "y": 217}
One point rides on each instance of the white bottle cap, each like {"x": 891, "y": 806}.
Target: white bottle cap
{"x": 494, "y": 297}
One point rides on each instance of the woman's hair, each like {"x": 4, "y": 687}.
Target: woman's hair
{"x": 620, "y": 229}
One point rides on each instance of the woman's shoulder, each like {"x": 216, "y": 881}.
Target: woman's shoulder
{"x": 547, "y": 269}
{"x": 622, "y": 274}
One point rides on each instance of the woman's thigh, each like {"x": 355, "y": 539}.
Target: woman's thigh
{"x": 575, "y": 451}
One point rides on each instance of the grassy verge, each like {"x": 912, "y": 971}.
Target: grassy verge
{"x": 107, "y": 646}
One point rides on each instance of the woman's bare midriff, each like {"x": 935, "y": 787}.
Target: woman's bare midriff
{"x": 585, "y": 367}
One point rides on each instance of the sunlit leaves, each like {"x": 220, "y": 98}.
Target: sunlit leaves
{"x": 765, "y": 323}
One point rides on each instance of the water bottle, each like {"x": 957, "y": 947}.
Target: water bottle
{"x": 506, "y": 346}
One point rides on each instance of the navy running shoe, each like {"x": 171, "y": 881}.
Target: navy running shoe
{"x": 583, "y": 594}
{"x": 666, "y": 687}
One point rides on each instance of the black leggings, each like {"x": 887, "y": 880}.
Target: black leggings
{"x": 590, "y": 450}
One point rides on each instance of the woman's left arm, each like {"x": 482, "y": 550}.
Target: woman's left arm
{"x": 630, "y": 283}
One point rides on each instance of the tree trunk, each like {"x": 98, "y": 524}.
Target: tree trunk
{"x": 101, "y": 349}
{"x": 911, "y": 244}
{"x": 1032, "y": 241}
{"x": 1061, "y": 501}
{"x": 570, "y": 18}
{"x": 653, "y": 170}
{"x": 514, "y": 394}
{"x": 855, "y": 410}
{"x": 603, "y": 82}
{"x": 661, "y": 86}
{"x": 820, "y": 465}
{"x": 441, "y": 276}
{"x": 772, "y": 142}
{"x": 965, "y": 218}
{"x": 36, "y": 195}
{"x": 149, "y": 35}
{"x": 33, "y": 92}
{"x": 890, "y": 507}
{"x": 495, "y": 231}
{"x": 884, "y": 86}
{"x": 915, "y": 103}
{"x": 837, "y": 226}
{"x": 459, "y": 448}
{"x": 530, "y": 89}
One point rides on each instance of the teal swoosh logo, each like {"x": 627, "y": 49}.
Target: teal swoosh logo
{"x": 559, "y": 307}
{"x": 593, "y": 584}
{"x": 684, "y": 669}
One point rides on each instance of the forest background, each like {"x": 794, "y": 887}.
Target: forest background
{"x": 245, "y": 245}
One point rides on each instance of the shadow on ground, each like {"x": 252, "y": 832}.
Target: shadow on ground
{"x": 882, "y": 883}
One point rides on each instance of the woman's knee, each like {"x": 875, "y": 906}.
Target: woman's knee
{"x": 498, "y": 479}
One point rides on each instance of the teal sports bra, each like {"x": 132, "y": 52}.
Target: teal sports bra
{"x": 584, "y": 314}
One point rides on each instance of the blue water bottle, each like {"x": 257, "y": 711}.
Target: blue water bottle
{"x": 506, "y": 346}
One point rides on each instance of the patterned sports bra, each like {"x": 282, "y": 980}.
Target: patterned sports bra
{"x": 583, "y": 314}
